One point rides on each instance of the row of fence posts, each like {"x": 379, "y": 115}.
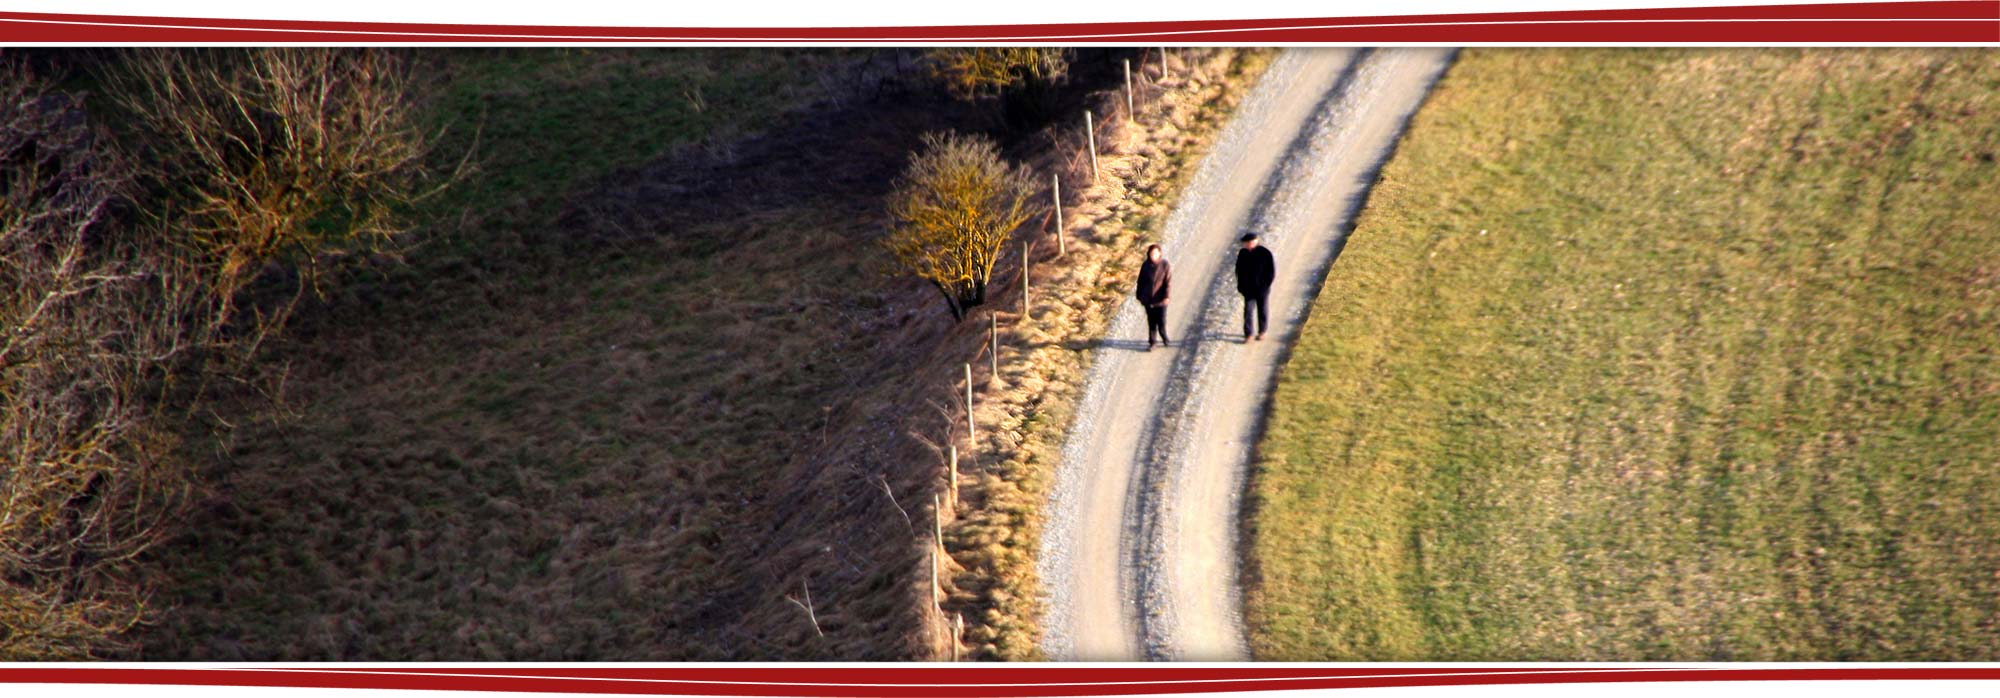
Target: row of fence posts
{"x": 939, "y": 503}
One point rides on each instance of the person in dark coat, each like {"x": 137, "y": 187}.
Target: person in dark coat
{"x": 1255, "y": 268}
{"x": 1155, "y": 279}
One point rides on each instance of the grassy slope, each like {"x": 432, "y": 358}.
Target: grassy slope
{"x": 1655, "y": 355}
{"x": 543, "y": 120}
{"x": 509, "y": 451}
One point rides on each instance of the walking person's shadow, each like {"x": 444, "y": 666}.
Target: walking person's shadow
{"x": 1101, "y": 343}
{"x": 1188, "y": 341}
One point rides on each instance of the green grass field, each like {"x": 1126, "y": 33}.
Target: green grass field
{"x": 1645, "y": 354}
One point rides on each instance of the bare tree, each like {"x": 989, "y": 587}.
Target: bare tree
{"x": 86, "y": 477}
{"x": 248, "y": 162}
{"x": 1019, "y": 83}
{"x": 274, "y": 158}
{"x": 970, "y": 73}
{"x": 954, "y": 208}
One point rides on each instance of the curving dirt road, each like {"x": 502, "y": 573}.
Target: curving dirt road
{"x": 1139, "y": 559}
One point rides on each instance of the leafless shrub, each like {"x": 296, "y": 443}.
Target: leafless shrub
{"x": 954, "y": 208}
{"x": 86, "y": 482}
{"x": 280, "y": 158}
{"x": 1020, "y": 81}
{"x": 971, "y": 73}
{"x": 247, "y": 161}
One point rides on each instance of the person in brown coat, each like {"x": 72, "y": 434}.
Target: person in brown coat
{"x": 1155, "y": 279}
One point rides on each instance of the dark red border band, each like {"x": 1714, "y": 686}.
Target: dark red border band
{"x": 906, "y": 680}
{"x": 1919, "y": 21}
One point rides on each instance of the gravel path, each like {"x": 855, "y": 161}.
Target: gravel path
{"x": 1140, "y": 557}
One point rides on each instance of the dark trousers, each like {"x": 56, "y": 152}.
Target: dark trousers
{"x": 1255, "y": 307}
{"x": 1156, "y": 322}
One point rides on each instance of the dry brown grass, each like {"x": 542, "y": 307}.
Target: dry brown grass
{"x": 537, "y": 441}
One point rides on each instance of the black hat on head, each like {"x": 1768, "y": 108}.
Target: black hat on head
{"x": 1249, "y": 236}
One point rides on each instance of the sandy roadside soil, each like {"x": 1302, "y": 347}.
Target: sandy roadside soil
{"x": 1140, "y": 556}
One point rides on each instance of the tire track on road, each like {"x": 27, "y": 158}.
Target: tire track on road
{"x": 1139, "y": 558}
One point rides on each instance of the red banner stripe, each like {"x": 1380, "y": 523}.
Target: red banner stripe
{"x": 1953, "y": 21}
{"x": 1775, "y": 31}
{"x": 845, "y": 682}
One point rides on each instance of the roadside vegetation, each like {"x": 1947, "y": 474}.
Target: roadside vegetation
{"x": 1021, "y": 82}
{"x": 1024, "y": 411}
{"x": 1654, "y": 355}
{"x": 955, "y": 208}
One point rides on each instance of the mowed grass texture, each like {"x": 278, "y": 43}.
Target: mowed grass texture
{"x": 1670, "y": 355}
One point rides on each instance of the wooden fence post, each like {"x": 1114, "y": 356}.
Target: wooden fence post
{"x": 937, "y": 592}
{"x": 971, "y": 432}
{"x": 954, "y": 478}
{"x": 957, "y": 634}
{"x": 937, "y": 519}
{"x": 1024, "y": 282}
{"x": 1090, "y": 131}
{"x": 1129, "y": 114}
{"x": 1055, "y": 186}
